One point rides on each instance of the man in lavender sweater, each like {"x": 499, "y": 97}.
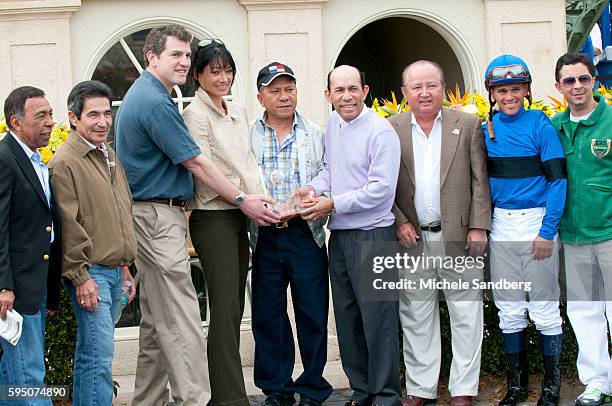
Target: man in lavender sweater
{"x": 359, "y": 174}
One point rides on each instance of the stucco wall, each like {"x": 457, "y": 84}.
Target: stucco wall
{"x": 56, "y": 43}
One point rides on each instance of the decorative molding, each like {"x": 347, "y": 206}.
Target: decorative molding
{"x": 8, "y": 7}
{"x": 281, "y": 4}
{"x": 452, "y": 35}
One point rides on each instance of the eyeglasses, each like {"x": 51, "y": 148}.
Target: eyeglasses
{"x": 516, "y": 71}
{"x": 570, "y": 81}
{"x": 210, "y": 41}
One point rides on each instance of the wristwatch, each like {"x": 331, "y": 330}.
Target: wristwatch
{"x": 238, "y": 200}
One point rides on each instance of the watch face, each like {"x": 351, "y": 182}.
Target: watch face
{"x": 239, "y": 199}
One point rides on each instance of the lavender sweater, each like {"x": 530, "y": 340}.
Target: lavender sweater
{"x": 360, "y": 169}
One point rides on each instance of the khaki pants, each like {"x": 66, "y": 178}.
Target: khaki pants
{"x": 420, "y": 319}
{"x": 172, "y": 345}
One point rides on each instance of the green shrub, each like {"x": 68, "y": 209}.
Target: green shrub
{"x": 60, "y": 342}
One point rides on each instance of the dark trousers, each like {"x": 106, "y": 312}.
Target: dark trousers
{"x": 367, "y": 329}
{"x": 221, "y": 241}
{"x": 290, "y": 257}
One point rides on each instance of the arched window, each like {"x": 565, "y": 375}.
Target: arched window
{"x": 122, "y": 63}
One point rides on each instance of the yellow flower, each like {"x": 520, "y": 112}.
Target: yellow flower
{"x": 3, "y": 127}
{"x": 376, "y": 107}
{"x": 46, "y": 154}
{"x": 474, "y": 103}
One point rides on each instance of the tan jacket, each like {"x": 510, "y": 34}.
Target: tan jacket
{"x": 225, "y": 140}
{"x": 96, "y": 209}
{"x": 465, "y": 200}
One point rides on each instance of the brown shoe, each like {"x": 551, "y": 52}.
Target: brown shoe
{"x": 412, "y": 400}
{"x": 461, "y": 401}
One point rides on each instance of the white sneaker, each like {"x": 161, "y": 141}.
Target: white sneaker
{"x": 590, "y": 397}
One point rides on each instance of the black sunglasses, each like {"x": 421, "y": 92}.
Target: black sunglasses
{"x": 570, "y": 81}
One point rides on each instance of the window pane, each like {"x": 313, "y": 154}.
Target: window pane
{"x": 117, "y": 71}
{"x": 130, "y": 316}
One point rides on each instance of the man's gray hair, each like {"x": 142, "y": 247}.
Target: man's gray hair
{"x": 156, "y": 39}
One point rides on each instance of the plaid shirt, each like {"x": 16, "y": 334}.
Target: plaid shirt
{"x": 279, "y": 163}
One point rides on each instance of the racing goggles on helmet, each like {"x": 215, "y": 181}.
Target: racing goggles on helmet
{"x": 508, "y": 74}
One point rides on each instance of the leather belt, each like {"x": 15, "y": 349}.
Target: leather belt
{"x": 169, "y": 202}
{"x": 432, "y": 227}
{"x": 294, "y": 222}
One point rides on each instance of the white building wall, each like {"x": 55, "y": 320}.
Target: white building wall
{"x": 56, "y": 43}
{"x": 35, "y": 48}
{"x": 533, "y": 30}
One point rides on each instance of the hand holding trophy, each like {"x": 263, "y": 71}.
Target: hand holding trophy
{"x": 283, "y": 187}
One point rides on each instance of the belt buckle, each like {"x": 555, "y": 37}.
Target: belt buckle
{"x": 430, "y": 225}
{"x": 284, "y": 224}
{"x": 171, "y": 202}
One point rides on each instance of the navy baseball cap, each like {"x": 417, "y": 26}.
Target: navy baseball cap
{"x": 271, "y": 71}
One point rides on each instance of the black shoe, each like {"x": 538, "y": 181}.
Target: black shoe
{"x": 551, "y": 384}
{"x": 278, "y": 399}
{"x": 352, "y": 403}
{"x": 518, "y": 379}
{"x": 306, "y": 400}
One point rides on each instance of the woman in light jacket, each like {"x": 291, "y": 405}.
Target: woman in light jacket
{"x": 218, "y": 229}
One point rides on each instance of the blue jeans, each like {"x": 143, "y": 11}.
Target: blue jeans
{"x": 24, "y": 364}
{"x": 93, "y": 356}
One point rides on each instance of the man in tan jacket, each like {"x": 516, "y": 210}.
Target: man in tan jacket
{"x": 98, "y": 241}
{"x": 442, "y": 201}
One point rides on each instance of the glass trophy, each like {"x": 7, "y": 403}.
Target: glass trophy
{"x": 283, "y": 186}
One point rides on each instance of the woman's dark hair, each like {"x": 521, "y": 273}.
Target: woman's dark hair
{"x": 214, "y": 53}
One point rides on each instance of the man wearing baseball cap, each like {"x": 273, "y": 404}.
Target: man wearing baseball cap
{"x": 289, "y": 150}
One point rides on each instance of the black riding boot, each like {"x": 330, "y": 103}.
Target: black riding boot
{"x": 518, "y": 379}
{"x": 551, "y": 384}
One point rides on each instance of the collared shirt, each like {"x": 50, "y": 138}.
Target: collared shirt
{"x": 279, "y": 163}
{"x": 42, "y": 172}
{"x": 101, "y": 147}
{"x": 152, "y": 142}
{"x": 427, "y": 150}
{"x": 309, "y": 145}
{"x": 343, "y": 123}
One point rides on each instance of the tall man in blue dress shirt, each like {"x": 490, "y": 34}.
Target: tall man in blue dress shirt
{"x": 159, "y": 157}
{"x": 30, "y": 256}
{"x": 361, "y": 184}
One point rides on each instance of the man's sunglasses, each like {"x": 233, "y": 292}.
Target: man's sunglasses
{"x": 504, "y": 72}
{"x": 570, "y": 81}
